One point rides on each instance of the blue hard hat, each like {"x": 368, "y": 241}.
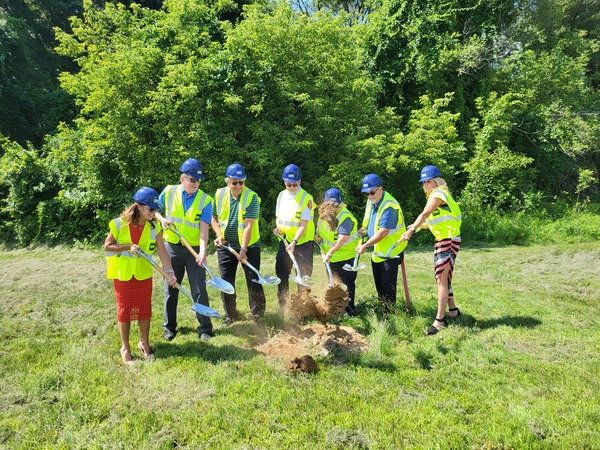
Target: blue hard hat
{"x": 291, "y": 173}
{"x": 193, "y": 168}
{"x": 235, "y": 171}
{"x": 333, "y": 195}
{"x": 429, "y": 172}
{"x": 146, "y": 196}
{"x": 369, "y": 182}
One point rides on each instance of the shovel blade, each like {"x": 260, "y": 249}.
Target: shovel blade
{"x": 299, "y": 281}
{"x": 221, "y": 285}
{"x": 271, "y": 280}
{"x": 206, "y": 310}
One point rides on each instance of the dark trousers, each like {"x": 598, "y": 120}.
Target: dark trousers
{"x": 183, "y": 261}
{"x": 284, "y": 266}
{"x": 228, "y": 264}
{"x": 385, "y": 275}
{"x": 347, "y": 277}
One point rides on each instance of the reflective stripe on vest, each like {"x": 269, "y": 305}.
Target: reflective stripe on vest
{"x": 446, "y": 223}
{"x": 347, "y": 250}
{"x": 393, "y": 235}
{"x": 187, "y": 223}
{"x": 222, "y": 203}
{"x": 124, "y": 265}
{"x": 289, "y": 211}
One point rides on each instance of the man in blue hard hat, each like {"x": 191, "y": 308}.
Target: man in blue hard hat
{"x": 384, "y": 224}
{"x": 294, "y": 215}
{"x": 190, "y": 210}
{"x": 236, "y": 210}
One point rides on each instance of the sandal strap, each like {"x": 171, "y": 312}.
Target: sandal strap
{"x": 442, "y": 320}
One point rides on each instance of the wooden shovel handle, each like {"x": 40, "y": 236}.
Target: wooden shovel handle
{"x": 181, "y": 238}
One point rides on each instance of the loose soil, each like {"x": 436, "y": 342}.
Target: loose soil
{"x": 314, "y": 339}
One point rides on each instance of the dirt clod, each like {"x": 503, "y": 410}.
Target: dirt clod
{"x": 305, "y": 363}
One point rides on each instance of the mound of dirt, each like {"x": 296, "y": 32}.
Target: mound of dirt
{"x": 315, "y": 339}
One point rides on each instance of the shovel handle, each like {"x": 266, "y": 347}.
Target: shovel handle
{"x": 236, "y": 254}
{"x": 159, "y": 269}
{"x": 178, "y": 234}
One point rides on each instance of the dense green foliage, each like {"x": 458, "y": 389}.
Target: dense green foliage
{"x": 503, "y": 97}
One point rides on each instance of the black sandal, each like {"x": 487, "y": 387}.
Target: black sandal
{"x": 457, "y": 312}
{"x": 432, "y": 329}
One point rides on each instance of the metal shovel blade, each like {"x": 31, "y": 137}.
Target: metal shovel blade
{"x": 268, "y": 280}
{"x": 302, "y": 281}
{"x": 355, "y": 267}
{"x": 221, "y": 285}
{"x": 218, "y": 283}
{"x": 199, "y": 308}
{"x": 206, "y": 310}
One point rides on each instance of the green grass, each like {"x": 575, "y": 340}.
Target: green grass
{"x": 519, "y": 369}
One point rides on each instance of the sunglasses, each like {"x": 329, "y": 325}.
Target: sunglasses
{"x": 192, "y": 180}
{"x": 292, "y": 184}
{"x": 235, "y": 183}
{"x": 372, "y": 193}
{"x": 149, "y": 209}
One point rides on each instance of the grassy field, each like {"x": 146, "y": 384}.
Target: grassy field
{"x": 519, "y": 369}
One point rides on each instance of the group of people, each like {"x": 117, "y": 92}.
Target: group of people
{"x": 233, "y": 214}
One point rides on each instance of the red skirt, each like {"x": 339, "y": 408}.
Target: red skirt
{"x": 134, "y": 299}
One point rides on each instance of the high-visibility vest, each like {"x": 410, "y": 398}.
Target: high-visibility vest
{"x": 387, "y": 201}
{"x": 223, "y": 202}
{"x": 444, "y": 222}
{"x": 124, "y": 265}
{"x": 187, "y": 223}
{"x": 288, "y": 213}
{"x": 329, "y": 238}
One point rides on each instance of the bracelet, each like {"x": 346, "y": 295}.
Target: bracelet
{"x": 170, "y": 271}
{"x": 295, "y": 240}
{"x": 244, "y": 248}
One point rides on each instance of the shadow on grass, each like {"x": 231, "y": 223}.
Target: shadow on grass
{"x": 511, "y": 321}
{"x": 361, "y": 359}
{"x": 204, "y": 351}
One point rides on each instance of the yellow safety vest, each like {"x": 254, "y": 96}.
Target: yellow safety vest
{"x": 124, "y": 265}
{"x": 223, "y": 201}
{"x": 387, "y": 201}
{"x": 289, "y": 211}
{"x": 329, "y": 238}
{"x": 187, "y": 223}
{"x": 445, "y": 221}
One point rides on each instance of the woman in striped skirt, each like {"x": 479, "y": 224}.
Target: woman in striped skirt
{"x": 443, "y": 218}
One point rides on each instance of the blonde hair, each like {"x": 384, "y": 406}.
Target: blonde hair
{"x": 441, "y": 184}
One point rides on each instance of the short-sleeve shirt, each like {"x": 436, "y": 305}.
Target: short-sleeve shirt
{"x": 389, "y": 219}
{"x": 188, "y": 200}
{"x": 252, "y": 212}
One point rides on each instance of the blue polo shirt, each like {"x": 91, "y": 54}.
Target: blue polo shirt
{"x": 206, "y": 214}
{"x": 389, "y": 219}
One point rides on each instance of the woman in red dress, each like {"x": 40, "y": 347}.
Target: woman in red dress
{"x": 135, "y": 229}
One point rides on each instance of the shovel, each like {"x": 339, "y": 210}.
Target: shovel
{"x": 389, "y": 252}
{"x": 299, "y": 279}
{"x": 355, "y": 267}
{"x": 199, "y": 308}
{"x": 267, "y": 279}
{"x": 218, "y": 283}
{"x": 327, "y": 266}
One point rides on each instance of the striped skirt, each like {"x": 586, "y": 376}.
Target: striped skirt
{"x": 134, "y": 299}
{"x": 444, "y": 255}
